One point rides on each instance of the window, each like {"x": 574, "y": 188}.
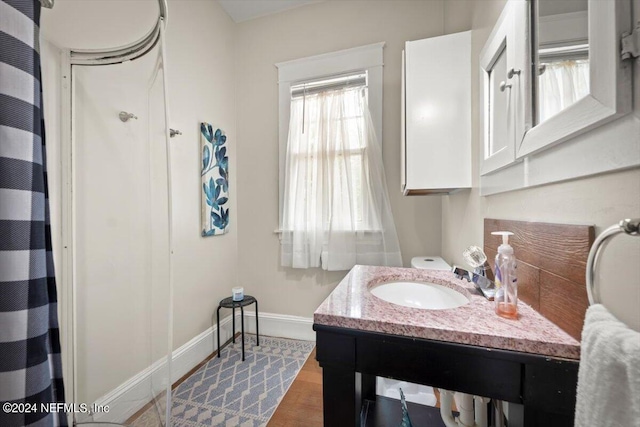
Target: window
{"x": 321, "y": 70}
{"x": 334, "y": 204}
{"x": 327, "y": 130}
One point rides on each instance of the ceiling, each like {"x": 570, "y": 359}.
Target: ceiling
{"x": 131, "y": 19}
{"x": 244, "y": 10}
{"x": 82, "y": 24}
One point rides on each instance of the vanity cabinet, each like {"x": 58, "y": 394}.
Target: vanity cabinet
{"x": 351, "y": 359}
{"x": 550, "y": 74}
{"x": 436, "y": 115}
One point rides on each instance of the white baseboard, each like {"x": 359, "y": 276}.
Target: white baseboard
{"x": 128, "y": 398}
{"x": 280, "y": 325}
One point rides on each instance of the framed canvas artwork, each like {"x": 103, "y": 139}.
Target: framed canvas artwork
{"x": 215, "y": 181}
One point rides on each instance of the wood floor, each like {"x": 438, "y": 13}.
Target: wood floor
{"x": 302, "y": 405}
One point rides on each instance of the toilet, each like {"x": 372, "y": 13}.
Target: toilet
{"x": 416, "y": 393}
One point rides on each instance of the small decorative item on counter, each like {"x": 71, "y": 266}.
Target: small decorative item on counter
{"x": 238, "y": 293}
{"x": 406, "y": 421}
{"x": 506, "y": 297}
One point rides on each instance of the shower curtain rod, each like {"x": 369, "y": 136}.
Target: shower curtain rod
{"x": 121, "y": 54}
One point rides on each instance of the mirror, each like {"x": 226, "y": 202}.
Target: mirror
{"x": 560, "y": 55}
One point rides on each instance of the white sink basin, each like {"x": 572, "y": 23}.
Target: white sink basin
{"x": 428, "y": 296}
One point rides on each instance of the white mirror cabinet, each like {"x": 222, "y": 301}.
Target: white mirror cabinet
{"x": 550, "y": 73}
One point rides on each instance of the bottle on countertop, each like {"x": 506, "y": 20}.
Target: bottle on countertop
{"x": 506, "y": 297}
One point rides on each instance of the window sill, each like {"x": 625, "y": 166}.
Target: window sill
{"x": 365, "y": 236}
{"x": 370, "y": 231}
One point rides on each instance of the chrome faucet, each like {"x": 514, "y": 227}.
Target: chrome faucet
{"x": 486, "y": 286}
{"x": 482, "y": 276}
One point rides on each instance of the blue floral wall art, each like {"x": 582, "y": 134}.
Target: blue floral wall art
{"x": 215, "y": 181}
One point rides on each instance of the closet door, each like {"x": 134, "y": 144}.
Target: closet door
{"x": 498, "y": 101}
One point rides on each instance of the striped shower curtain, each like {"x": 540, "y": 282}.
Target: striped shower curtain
{"x": 30, "y": 364}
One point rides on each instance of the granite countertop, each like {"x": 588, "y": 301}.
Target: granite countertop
{"x": 352, "y": 306}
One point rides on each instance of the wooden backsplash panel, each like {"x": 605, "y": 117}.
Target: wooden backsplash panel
{"x": 561, "y": 249}
{"x": 565, "y": 303}
{"x": 552, "y": 261}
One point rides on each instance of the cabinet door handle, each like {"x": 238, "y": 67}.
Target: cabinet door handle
{"x": 504, "y": 86}
{"x": 513, "y": 72}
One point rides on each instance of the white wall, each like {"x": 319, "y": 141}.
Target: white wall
{"x": 600, "y": 200}
{"x": 298, "y": 33}
{"x": 200, "y": 44}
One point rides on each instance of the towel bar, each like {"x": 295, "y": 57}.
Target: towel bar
{"x": 628, "y": 226}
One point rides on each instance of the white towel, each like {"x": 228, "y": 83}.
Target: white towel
{"x": 609, "y": 373}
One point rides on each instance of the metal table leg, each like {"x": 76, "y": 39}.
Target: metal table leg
{"x": 257, "y": 330}
{"x": 233, "y": 320}
{"x": 218, "y": 328}
{"x": 242, "y": 326}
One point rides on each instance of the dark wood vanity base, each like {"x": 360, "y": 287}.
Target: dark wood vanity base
{"x": 350, "y": 360}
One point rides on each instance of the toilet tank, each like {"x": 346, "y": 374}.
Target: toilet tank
{"x": 430, "y": 263}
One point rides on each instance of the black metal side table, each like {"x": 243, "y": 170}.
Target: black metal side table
{"x": 230, "y": 303}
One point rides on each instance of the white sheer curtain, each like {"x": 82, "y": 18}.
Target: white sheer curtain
{"x": 562, "y": 84}
{"x": 336, "y": 211}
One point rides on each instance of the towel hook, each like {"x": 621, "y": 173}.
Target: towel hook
{"x": 628, "y": 226}
{"x": 125, "y": 117}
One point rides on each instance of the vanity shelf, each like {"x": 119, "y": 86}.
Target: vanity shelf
{"x": 385, "y": 412}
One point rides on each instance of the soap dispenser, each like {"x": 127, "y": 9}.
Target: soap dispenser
{"x": 506, "y": 297}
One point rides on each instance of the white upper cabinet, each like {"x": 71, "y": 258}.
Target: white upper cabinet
{"x": 436, "y": 115}
{"x": 564, "y": 76}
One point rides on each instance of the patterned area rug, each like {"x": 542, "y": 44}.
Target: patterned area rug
{"x": 229, "y": 392}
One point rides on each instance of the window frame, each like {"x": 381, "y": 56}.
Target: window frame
{"x": 367, "y": 58}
